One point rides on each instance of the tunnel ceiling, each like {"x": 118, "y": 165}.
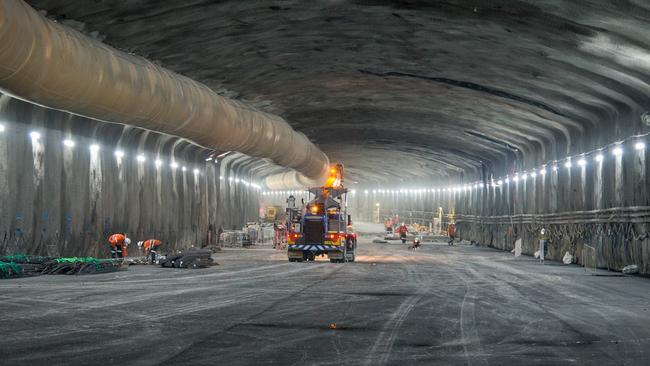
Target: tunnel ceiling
{"x": 406, "y": 91}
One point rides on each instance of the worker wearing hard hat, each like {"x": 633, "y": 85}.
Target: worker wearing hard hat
{"x": 118, "y": 243}
{"x": 150, "y": 248}
{"x": 451, "y": 231}
{"x": 402, "y": 230}
{"x": 388, "y": 224}
{"x": 543, "y": 237}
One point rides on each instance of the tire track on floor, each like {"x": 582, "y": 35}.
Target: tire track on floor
{"x": 170, "y": 359}
{"x": 381, "y": 349}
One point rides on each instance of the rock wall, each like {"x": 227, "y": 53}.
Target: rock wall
{"x": 601, "y": 209}
{"x": 62, "y": 200}
{"x": 598, "y": 212}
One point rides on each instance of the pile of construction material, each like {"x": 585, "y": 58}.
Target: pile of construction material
{"x": 192, "y": 258}
{"x": 19, "y": 265}
{"x": 235, "y": 239}
{"x": 136, "y": 260}
{"x": 81, "y": 265}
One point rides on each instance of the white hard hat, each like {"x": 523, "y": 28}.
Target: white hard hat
{"x": 140, "y": 244}
{"x": 127, "y": 241}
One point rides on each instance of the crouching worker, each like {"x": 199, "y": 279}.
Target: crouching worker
{"x": 118, "y": 243}
{"x": 150, "y": 248}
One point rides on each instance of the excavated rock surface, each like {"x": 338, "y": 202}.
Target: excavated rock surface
{"x": 411, "y": 91}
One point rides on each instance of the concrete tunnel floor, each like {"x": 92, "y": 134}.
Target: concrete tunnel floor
{"x": 439, "y": 305}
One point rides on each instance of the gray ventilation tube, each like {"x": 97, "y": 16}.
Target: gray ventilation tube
{"x": 48, "y": 64}
{"x": 289, "y": 180}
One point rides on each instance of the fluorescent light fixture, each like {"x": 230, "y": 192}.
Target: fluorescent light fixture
{"x": 174, "y": 165}
{"x": 119, "y": 154}
{"x": 533, "y": 174}
{"x": 141, "y": 158}
{"x": 35, "y": 135}
{"x": 524, "y": 176}
{"x": 542, "y": 171}
{"x": 515, "y": 178}
{"x": 639, "y": 145}
{"x": 94, "y": 148}
{"x": 507, "y": 180}
{"x": 599, "y": 158}
{"x": 236, "y": 180}
{"x": 221, "y": 177}
{"x": 183, "y": 168}
{"x": 499, "y": 182}
{"x": 618, "y": 151}
{"x": 209, "y": 158}
{"x": 568, "y": 164}
{"x": 365, "y": 191}
{"x": 158, "y": 162}
{"x": 555, "y": 168}
{"x": 582, "y": 162}
{"x": 196, "y": 171}
{"x": 68, "y": 143}
{"x": 2, "y": 128}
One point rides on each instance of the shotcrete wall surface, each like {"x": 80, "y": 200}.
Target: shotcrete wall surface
{"x": 62, "y": 200}
{"x": 605, "y": 205}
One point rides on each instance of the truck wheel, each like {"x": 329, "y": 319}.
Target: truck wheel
{"x": 308, "y": 257}
{"x": 332, "y": 260}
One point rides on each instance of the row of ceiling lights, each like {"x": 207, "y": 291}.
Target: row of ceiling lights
{"x": 598, "y": 157}
{"x": 281, "y": 193}
{"x": 119, "y": 154}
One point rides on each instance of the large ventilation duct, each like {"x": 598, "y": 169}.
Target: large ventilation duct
{"x": 289, "y": 180}
{"x": 51, "y": 65}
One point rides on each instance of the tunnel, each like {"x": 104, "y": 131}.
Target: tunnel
{"x": 324, "y": 182}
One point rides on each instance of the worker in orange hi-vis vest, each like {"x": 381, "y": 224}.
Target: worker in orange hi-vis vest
{"x": 451, "y": 231}
{"x": 118, "y": 243}
{"x": 150, "y": 248}
{"x": 402, "y": 230}
{"x": 388, "y": 225}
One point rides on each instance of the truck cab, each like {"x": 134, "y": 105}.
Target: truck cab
{"x": 322, "y": 228}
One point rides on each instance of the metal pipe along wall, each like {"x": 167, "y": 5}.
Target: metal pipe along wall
{"x": 51, "y": 65}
